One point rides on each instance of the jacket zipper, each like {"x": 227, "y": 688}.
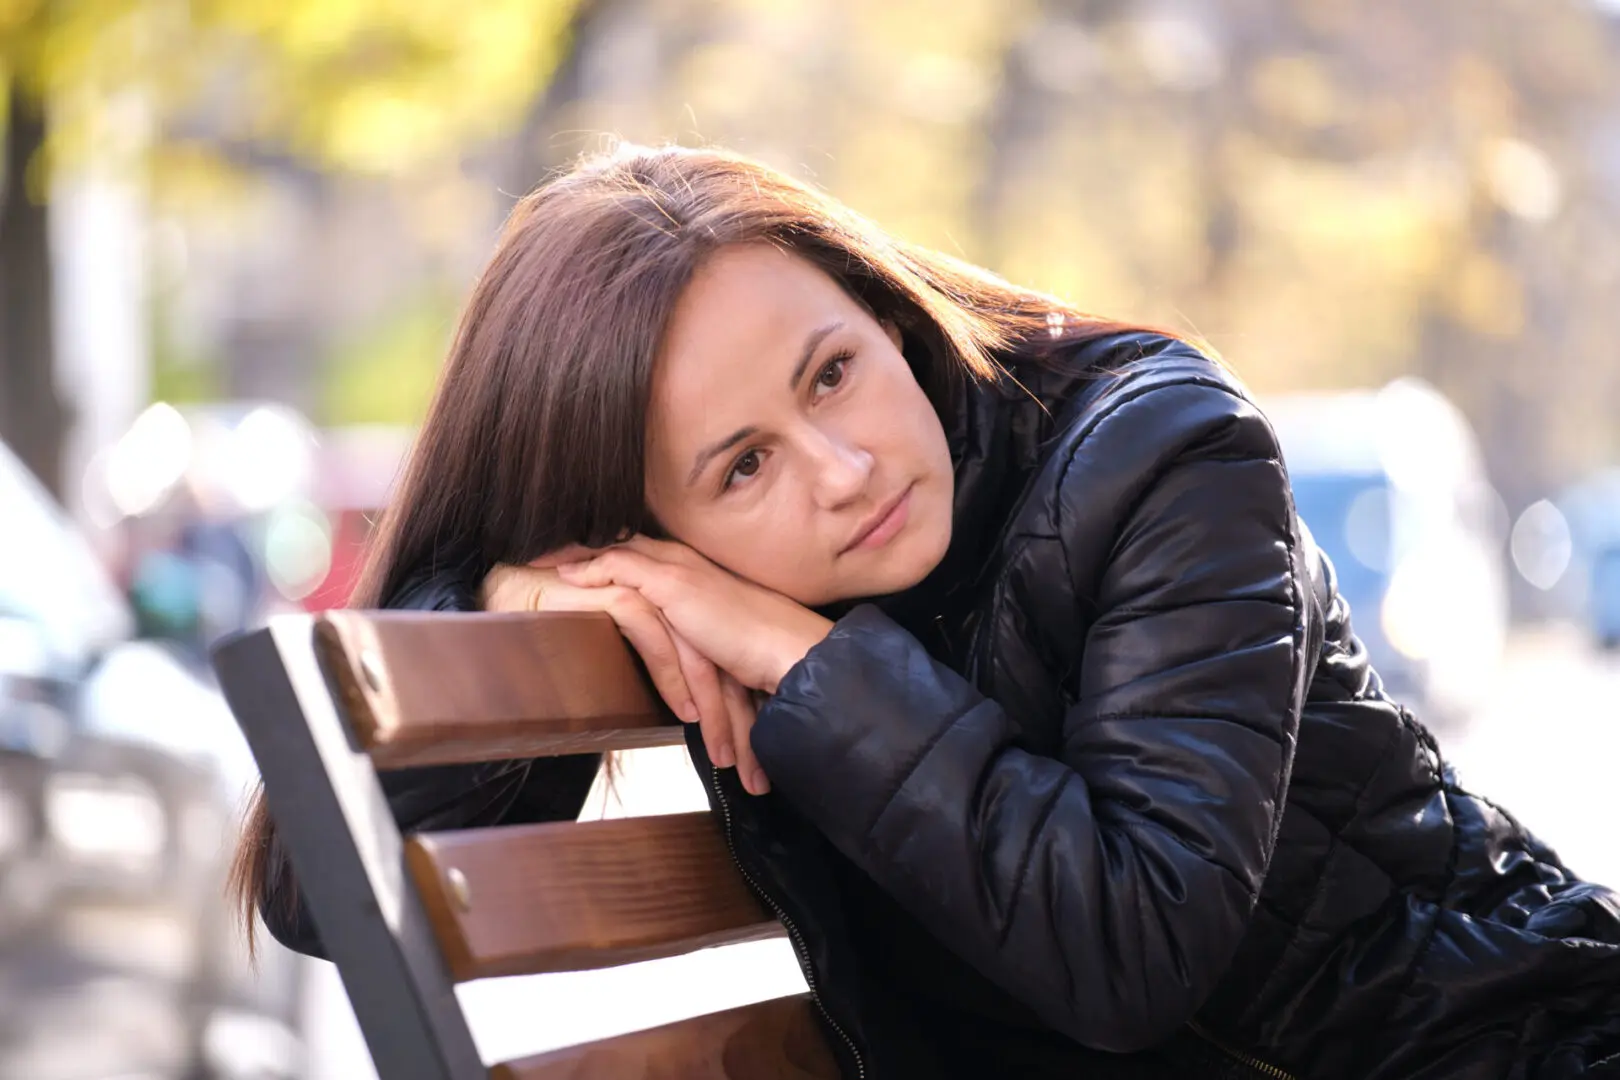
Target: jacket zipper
{"x": 800, "y": 948}
{"x": 1271, "y": 1072}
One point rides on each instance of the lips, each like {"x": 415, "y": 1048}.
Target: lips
{"x": 878, "y": 520}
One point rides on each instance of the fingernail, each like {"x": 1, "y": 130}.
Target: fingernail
{"x": 762, "y": 785}
{"x": 724, "y": 758}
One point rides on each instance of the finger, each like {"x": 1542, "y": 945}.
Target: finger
{"x": 703, "y": 679}
{"x": 672, "y": 551}
{"x": 740, "y": 709}
{"x": 569, "y": 554}
{"x": 665, "y": 571}
{"x": 652, "y": 639}
{"x": 644, "y": 628}
{"x": 599, "y": 569}
{"x": 657, "y": 580}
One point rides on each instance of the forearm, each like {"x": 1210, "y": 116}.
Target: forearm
{"x": 1112, "y": 925}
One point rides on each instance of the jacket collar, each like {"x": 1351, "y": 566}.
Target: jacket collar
{"x": 998, "y": 433}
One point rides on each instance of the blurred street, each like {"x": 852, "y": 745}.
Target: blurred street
{"x": 1547, "y": 746}
{"x": 134, "y": 989}
{"x": 95, "y": 993}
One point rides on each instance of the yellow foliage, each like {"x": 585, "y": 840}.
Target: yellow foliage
{"x": 1485, "y": 295}
{"x": 386, "y": 375}
{"x": 367, "y": 85}
{"x": 1297, "y": 88}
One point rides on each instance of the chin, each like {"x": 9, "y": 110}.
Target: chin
{"x": 933, "y": 539}
{"x": 904, "y": 563}
{"x": 911, "y": 561}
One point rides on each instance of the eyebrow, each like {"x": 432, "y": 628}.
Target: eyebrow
{"x": 709, "y": 453}
{"x": 817, "y": 336}
{"x": 807, "y": 354}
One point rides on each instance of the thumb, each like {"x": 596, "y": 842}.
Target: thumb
{"x": 513, "y": 588}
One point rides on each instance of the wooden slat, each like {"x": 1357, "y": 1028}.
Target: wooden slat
{"x": 774, "y": 1040}
{"x": 522, "y": 899}
{"x": 422, "y": 688}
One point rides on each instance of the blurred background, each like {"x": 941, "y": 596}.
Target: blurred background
{"x": 234, "y": 235}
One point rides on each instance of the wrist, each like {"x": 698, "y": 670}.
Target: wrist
{"x": 794, "y": 643}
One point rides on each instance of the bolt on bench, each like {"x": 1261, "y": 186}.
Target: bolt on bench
{"x": 327, "y": 701}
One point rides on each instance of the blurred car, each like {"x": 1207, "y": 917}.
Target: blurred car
{"x": 32, "y": 721}
{"x": 356, "y": 470}
{"x": 1591, "y": 507}
{"x": 1390, "y": 483}
{"x": 120, "y": 774}
{"x": 1604, "y": 597}
{"x": 215, "y": 504}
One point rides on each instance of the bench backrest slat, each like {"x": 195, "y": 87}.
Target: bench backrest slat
{"x": 774, "y": 1039}
{"x": 425, "y": 688}
{"x": 526, "y": 899}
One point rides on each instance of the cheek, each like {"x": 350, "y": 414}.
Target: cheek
{"x": 782, "y": 542}
{"x": 920, "y": 433}
{"x": 772, "y": 545}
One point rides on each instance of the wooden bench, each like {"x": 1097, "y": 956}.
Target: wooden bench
{"x": 326, "y": 701}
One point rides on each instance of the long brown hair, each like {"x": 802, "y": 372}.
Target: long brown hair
{"x": 535, "y": 436}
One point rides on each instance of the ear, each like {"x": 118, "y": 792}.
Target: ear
{"x": 892, "y": 331}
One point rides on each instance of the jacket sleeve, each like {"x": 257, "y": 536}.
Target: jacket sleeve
{"x": 440, "y": 796}
{"x": 1107, "y": 887}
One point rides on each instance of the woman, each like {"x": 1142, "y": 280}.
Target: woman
{"x": 1074, "y": 764}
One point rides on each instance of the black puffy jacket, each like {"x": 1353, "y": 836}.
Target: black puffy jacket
{"x": 1114, "y": 792}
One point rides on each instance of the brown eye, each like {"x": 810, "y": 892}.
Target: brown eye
{"x": 833, "y": 374}
{"x": 745, "y": 466}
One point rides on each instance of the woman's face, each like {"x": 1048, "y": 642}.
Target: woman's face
{"x": 788, "y": 440}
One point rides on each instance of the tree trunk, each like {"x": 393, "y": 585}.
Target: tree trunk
{"x": 33, "y": 420}
{"x": 535, "y": 150}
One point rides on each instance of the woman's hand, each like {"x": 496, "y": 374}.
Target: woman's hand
{"x": 691, "y": 685}
{"x": 749, "y": 631}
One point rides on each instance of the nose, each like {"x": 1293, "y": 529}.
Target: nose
{"x": 843, "y": 470}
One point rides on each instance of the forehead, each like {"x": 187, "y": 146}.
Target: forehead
{"x": 749, "y": 303}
